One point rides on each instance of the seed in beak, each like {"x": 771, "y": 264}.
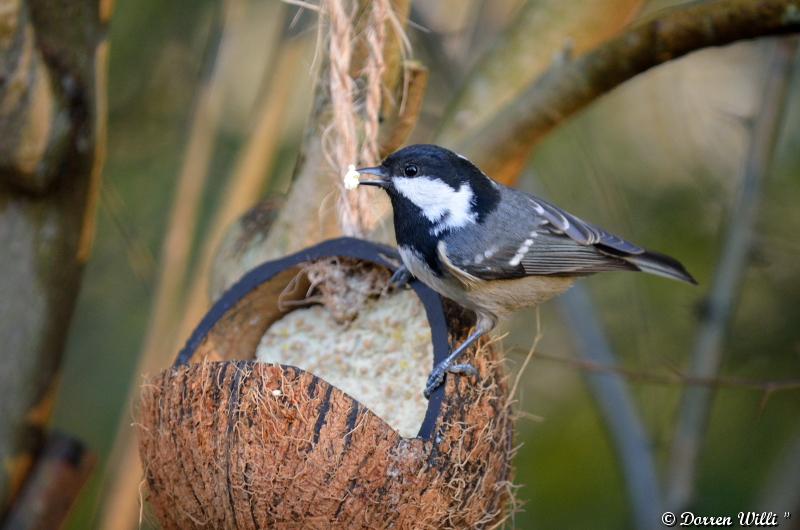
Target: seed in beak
{"x": 351, "y": 178}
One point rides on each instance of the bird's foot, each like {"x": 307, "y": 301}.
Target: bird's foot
{"x": 400, "y": 278}
{"x": 434, "y": 381}
{"x": 437, "y": 375}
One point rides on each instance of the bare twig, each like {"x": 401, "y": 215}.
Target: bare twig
{"x": 675, "y": 379}
{"x": 707, "y": 353}
{"x": 531, "y": 353}
{"x": 140, "y": 257}
{"x": 502, "y": 146}
{"x": 617, "y": 407}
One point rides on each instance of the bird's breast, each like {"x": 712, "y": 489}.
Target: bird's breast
{"x": 498, "y": 298}
{"x": 503, "y": 297}
{"x": 441, "y": 282}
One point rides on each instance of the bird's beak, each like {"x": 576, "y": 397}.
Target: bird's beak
{"x": 379, "y": 171}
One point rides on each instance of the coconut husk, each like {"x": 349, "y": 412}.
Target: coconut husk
{"x": 227, "y": 442}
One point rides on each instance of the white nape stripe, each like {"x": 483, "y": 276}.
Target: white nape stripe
{"x": 439, "y": 203}
{"x": 494, "y": 184}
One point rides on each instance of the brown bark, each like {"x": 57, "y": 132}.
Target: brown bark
{"x": 34, "y": 120}
{"x": 52, "y": 143}
{"x": 542, "y": 32}
{"x": 60, "y": 473}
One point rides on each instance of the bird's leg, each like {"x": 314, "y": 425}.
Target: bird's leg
{"x": 401, "y": 277}
{"x": 437, "y": 374}
{"x": 436, "y": 377}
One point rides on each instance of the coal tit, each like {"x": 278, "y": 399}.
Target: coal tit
{"x": 490, "y": 248}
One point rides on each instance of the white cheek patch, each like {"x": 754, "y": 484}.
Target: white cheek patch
{"x": 435, "y": 198}
{"x": 439, "y": 203}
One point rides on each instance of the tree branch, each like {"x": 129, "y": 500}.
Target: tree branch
{"x": 707, "y": 354}
{"x": 617, "y": 407}
{"x": 34, "y": 118}
{"x": 61, "y": 471}
{"x": 503, "y": 145}
{"x": 542, "y": 32}
{"x": 46, "y": 193}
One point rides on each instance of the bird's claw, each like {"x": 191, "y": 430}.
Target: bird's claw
{"x": 463, "y": 369}
{"x": 400, "y": 278}
{"x": 437, "y": 376}
{"x": 434, "y": 381}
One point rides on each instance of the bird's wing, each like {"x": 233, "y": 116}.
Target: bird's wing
{"x": 550, "y": 242}
{"x": 562, "y": 222}
{"x": 542, "y": 254}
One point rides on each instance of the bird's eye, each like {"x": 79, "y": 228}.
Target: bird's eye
{"x": 410, "y": 170}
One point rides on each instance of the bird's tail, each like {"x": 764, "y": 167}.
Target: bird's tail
{"x": 660, "y": 265}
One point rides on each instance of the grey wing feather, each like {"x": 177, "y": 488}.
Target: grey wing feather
{"x": 550, "y": 242}
{"x": 548, "y": 255}
{"x": 582, "y": 232}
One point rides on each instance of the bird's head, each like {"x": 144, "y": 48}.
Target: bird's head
{"x": 447, "y": 189}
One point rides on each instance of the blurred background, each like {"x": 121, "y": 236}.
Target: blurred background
{"x": 660, "y": 160}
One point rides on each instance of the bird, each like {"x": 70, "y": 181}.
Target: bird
{"x": 490, "y": 248}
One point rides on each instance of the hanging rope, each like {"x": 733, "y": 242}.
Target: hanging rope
{"x": 373, "y": 72}
{"x": 352, "y": 136}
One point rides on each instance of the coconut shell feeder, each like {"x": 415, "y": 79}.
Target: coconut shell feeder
{"x": 227, "y": 441}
